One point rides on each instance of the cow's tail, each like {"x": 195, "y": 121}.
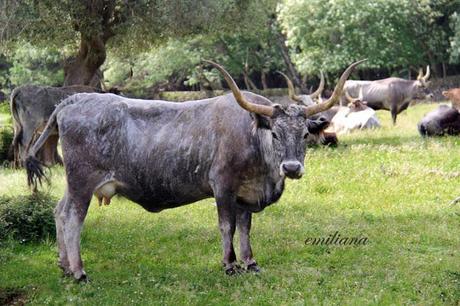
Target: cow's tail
{"x": 18, "y": 130}
{"x": 34, "y": 167}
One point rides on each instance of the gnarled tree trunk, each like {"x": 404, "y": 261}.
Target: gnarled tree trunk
{"x": 83, "y": 69}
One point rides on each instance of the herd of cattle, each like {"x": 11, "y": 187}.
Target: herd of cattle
{"x": 238, "y": 148}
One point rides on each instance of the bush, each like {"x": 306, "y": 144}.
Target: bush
{"x": 27, "y": 218}
{"x": 6, "y": 138}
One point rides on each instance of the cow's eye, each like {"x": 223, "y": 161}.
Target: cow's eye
{"x": 275, "y": 136}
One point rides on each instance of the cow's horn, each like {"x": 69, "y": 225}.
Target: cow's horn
{"x": 427, "y": 75}
{"x": 320, "y": 87}
{"x": 239, "y": 97}
{"x": 291, "y": 90}
{"x": 317, "y": 108}
{"x": 349, "y": 98}
{"x": 420, "y": 74}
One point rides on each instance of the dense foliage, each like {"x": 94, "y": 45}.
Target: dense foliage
{"x": 455, "y": 41}
{"x": 27, "y": 218}
{"x": 6, "y": 138}
{"x": 329, "y": 34}
{"x": 160, "y": 44}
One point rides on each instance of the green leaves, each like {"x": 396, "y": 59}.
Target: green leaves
{"x": 330, "y": 34}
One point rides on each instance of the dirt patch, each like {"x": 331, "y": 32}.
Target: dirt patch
{"x": 12, "y": 296}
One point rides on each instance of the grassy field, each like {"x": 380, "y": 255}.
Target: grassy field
{"x": 388, "y": 185}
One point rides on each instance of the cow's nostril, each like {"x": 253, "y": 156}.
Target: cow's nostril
{"x": 291, "y": 167}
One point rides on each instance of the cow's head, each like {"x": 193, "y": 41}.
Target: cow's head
{"x": 356, "y": 104}
{"x": 422, "y": 85}
{"x": 454, "y": 96}
{"x": 288, "y": 127}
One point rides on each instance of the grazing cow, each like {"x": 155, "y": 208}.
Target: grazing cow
{"x": 393, "y": 94}
{"x": 237, "y": 148}
{"x": 357, "y": 115}
{"x": 31, "y": 106}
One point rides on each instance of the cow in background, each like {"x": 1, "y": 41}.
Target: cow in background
{"x": 31, "y": 106}
{"x": 322, "y": 137}
{"x": 306, "y": 100}
{"x": 393, "y": 94}
{"x": 453, "y": 95}
{"x": 356, "y": 116}
{"x": 445, "y": 120}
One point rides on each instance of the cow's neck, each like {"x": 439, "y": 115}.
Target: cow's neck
{"x": 264, "y": 184}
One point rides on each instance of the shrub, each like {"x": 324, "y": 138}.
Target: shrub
{"x": 6, "y": 138}
{"x": 27, "y": 218}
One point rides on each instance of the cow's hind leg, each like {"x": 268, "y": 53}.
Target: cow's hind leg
{"x": 243, "y": 222}
{"x": 59, "y": 216}
{"x": 72, "y": 215}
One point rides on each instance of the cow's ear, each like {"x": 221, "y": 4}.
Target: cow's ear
{"x": 264, "y": 122}
{"x": 317, "y": 125}
{"x": 261, "y": 122}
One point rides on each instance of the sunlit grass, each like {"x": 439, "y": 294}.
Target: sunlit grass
{"x": 389, "y": 185}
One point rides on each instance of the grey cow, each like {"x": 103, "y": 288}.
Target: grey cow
{"x": 31, "y": 106}
{"x": 444, "y": 120}
{"x": 393, "y": 94}
{"x": 304, "y": 99}
{"x": 237, "y": 148}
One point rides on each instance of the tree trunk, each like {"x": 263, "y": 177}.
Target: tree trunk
{"x": 291, "y": 70}
{"x": 249, "y": 83}
{"x": 263, "y": 79}
{"x": 84, "y": 68}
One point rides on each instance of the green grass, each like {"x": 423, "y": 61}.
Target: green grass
{"x": 389, "y": 185}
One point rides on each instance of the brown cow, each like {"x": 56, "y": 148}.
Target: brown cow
{"x": 453, "y": 95}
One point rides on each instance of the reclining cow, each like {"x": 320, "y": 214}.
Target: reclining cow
{"x": 356, "y": 116}
{"x": 393, "y": 94}
{"x": 238, "y": 148}
{"x": 31, "y": 106}
{"x": 445, "y": 120}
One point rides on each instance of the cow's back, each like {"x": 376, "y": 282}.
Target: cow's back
{"x": 444, "y": 120}
{"x": 152, "y": 147}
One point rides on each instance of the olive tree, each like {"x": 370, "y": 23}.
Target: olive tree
{"x": 84, "y": 29}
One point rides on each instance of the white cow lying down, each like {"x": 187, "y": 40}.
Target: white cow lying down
{"x": 355, "y": 116}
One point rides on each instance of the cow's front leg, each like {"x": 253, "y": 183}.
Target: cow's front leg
{"x": 227, "y": 225}
{"x": 243, "y": 222}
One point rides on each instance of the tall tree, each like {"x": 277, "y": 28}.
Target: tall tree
{"x": 90, "y": 26}
{"x": 393, "y": 34}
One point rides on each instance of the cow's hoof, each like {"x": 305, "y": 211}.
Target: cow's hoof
{"x": 233, "y": 270}
{"x": 253, "y": 268}
{"x": 81, "y": 277}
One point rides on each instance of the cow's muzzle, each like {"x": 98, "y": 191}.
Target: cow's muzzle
{"x": 292, "y": 169}
{"x": 429, "y": 96}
